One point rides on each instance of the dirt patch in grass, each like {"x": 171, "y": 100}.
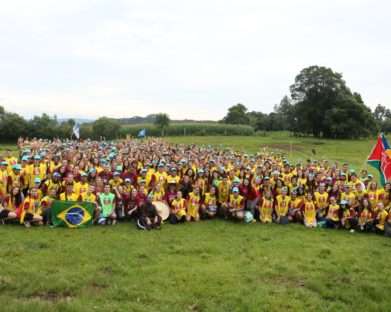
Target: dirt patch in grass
{"x": 106, "y": 270}
{"x": 49, "y": 297}
{"x": 284, "y": 147}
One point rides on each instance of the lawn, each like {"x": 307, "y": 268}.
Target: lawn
{"x": 214, "y": 265}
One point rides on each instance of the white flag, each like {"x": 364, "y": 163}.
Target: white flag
{"x": 76, "y": 130}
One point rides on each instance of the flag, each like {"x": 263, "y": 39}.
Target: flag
{"x": 141, "y": 133}
{"x": 72, "y": 214}
{"x": 76, "y": 130}
{"x": 380, "y": 158}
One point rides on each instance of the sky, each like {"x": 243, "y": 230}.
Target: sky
{"x": 190, "y": 59}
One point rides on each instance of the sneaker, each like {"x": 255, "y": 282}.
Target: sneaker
{"x": 351, "y": 231}
{"x": 27, "y": 224}
{"x": 157, "y": 227}
{"x": 114, "y": 222}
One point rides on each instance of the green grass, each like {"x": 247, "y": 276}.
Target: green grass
{"x": 210, "y": 266}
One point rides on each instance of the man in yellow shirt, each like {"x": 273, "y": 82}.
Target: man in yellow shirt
{"x": 281, "y": 206}
{"x": 69, "y": 194}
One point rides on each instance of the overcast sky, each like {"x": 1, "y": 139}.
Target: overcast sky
{"x": 190, "y": 59}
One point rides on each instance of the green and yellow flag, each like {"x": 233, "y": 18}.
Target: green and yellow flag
{"x": 72, "y": 214}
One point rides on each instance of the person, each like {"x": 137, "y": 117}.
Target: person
{"x": 281, "y": 206}
{"x": 295, "y": 207}
{"x": 28, "y": 214}
{"x": 107, "y": 204}
{"x": 149, "y": 218}
{"x": 45, "y": 205}
{"x": 321, "y": 201}
{"x": 266, "y": 205}
{"x": 309, "y": 211}
{"x": 209, "y": 205}
{"x": 9, "y": 204}
{"x": 235, "y": 205}
{"x": 332, "y": 218}
{"x": 381, "y": 217}
{"x": 178, "y": 209}
{"x": 69, "y": 194}
{"x": 193, "y": 205}
{"x": 348, "y": 219}
{"x": 90, "y": 197}
{"x": 365, "y": 217}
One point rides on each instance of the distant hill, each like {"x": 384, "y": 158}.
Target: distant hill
{"x": 149, "y": 119}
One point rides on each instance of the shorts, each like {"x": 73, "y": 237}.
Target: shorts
{"x": 4, "y": 213}
{"x": 28, "y": 216}
{"x": 212, "y": 208}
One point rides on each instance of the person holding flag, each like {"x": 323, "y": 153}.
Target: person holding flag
{"x": 380, "y": 158}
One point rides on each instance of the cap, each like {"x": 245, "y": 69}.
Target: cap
{"x": 370, "y": 175}
{"x": 173, "y": 169}
{"x": 37, "y": 157}
{"x": 83, "y": 174}
{"x": 172, "y": 182}
{"x": 4, "y": 163}
{"x": 37, "y": 180}
{"x": 160, "y": 165}
{"x": 25, "y": 158}
{"x": 237, "y": 180}
{"x": 266, "y": 179}
{"x": 347, "y": 185}
{"x": 56, "y": 174}
{"x": 116, "y": 174}
{"x": 200, "y": 171}
{"x": 92, "y": 170}
{"x": 235, "y": 190}
{"x": 119, "y": 168}
{"x": 344, "y": 202}
{"x": 329, "y": 179}
{"x": 127, "y": 180}
{"x": 143, "y": 170}
{"x": 16, "y": 167}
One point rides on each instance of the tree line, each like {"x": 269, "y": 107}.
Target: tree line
{"x": 320, "y": 104}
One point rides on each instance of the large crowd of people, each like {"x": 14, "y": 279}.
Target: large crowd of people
{"x": 125, "y": 180}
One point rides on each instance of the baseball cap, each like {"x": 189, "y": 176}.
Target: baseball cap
{"x": 127, "y": 180}
{"x": 116, "y": 173}
{"x": 344, "y": 202}
{"x": 56, "y": 174}
{"x": 37, "y": 157}
{"x": 16, "y": 167}
{"x": 235, "y": 190}
{"x": 37, "y": 180}
{"x": 4, "y": 163}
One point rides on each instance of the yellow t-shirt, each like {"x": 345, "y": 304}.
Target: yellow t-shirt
{"x": 321, "y": 199}
{"x": 333, "y": 213}
{"x": 267, "y": 209}
{"x": 223, "y": 191}
{"x": 236, "y": 202}
{"x": 283, "y": 204}
{"x": 193, "y": 204}
{"x": 64, "y": 197}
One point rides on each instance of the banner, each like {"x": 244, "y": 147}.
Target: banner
{"x": 72, "y": 214}
{"x": 380, "y": 158}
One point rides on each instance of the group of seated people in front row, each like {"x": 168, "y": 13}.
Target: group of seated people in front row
{"x": 127, "y": 179}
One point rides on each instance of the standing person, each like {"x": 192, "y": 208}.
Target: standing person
{"x": 14, "y": 178}
{"x": 90, "y": 197}
{"x": 321, "y": 201}
{"x": 149, "y": 218}
{"x": 107, "y": 202}
{"x": 193, "y": 205}
{"x": 309, "y": 211}
{"x": 266, "y": 207}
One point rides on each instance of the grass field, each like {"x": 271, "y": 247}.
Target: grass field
{"x": 214, "y": 265}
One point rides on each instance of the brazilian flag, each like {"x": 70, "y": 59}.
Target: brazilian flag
{"x": 72, "y": 214}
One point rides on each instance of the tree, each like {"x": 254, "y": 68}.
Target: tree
{"x": 285, "y": 117}
{"x": 324, "y": 106}
{"x": 12, "y": 126}
{"x": 105, "y": 127}
{"x": 162, "y": 121}
{"x": 237, "y": 115}
{"x": 43, "y": 127}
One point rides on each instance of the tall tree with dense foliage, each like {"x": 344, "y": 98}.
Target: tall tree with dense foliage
{"x": 237, "y": 115}
{"x": 325, "y": 107}
{"x": 162, "y": 121}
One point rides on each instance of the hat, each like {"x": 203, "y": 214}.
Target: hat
{"x": 103, "y": 160}
{"x": 116, "y": 174}
{"x": 235, "y": 190}
{"x": 322, "y": 184}
{"x": 248, "y": 168}
{"x": 25, "y": 158}
{"x": 83, "y": 174}
{"x": 4, "y": 163}
{"x": 127, "y": 180}
{"x": 37, "y": 180}
{"x": 329, "y": 179}
{"x": 347, "y": 185}
{"x": 37, "y": 157}
{"x": 160, "y": 165}
{"x": 294, "y": 192}
{"x": 56, "y": 174}
{"x": 266, "y": 179}
{"x": 284, "y": 189}
{"x": 173, "y": 169}
{"x": 343, "y": 174}
{"x": 237, "y": 180}
{"x": 344, "y": 202}
{"x": 92, "y": 170}
{"x": 276, "y": 172}
{"x": 172, "y": 182}
{"x": 143, "y": 181}
{"x": 370, "y": 175}
{"x": 143, "y": 170}
{"x": 200, "y": 171}
{"x": 150, "y": 196}
{"x": 16, "y": 167}
{"x": 119, "y": 168}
